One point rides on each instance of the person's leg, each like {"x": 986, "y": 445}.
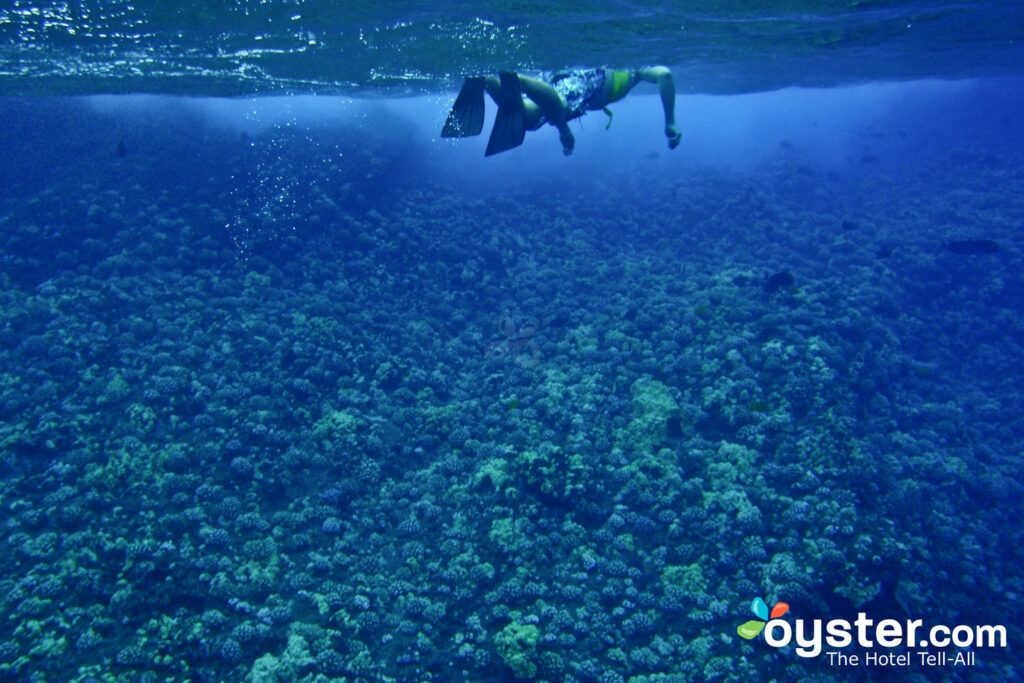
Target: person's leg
{"x": 492, "y": 84}
{"x": 541, "y": 98}
{"x": 551, "y": 104}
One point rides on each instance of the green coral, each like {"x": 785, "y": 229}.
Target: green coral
{"x": 858, "y": 590}
{"x": 134, "y": 463}
{"x": 735, "y": 501}
{"x": 336, "y": 424}
{"x": 117, "y": 389}
{"x": 718, "y": 667}
{"x": 271, "y": 669}
{"x": 551, "y": 473}
{"x": 783, "y": 569}
{"x": 689, "y": 577}
{"x": 653, "y": 405}
{"x": 493, "y": 472}
{"x": 698, "y": 651}
{"x": 616, "y": 339}
{"x": 585, "y": 338}
{"x": 517, "y": 646}
{"x": 650, "y": 467}
{"x": 732, "y": 464}
{"x": 296, "y": 658}
{"x": 141, "y": 418}
{"x": 506, "y": 534}
{"x": 337, "y": 431}
{"x": 657, "y": 472}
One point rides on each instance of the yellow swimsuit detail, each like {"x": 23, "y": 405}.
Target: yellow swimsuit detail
{"x": 620, "y": 85}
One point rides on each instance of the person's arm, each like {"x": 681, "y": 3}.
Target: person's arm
{"x": 661, "y": 76}
{"x": 566, "y": 138}
{"x": 553, "y": 106}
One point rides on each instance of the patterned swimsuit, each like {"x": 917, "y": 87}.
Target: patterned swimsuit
{"x": 580, "y": 89}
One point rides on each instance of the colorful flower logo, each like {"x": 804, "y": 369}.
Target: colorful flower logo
{"x": 753, "y": 628}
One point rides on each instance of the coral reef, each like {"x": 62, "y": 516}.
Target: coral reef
{"x": 294, "y": 459}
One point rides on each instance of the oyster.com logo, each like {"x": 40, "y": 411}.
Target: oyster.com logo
{"x": 901, "y": 642}
{"x": 751, "y": 629}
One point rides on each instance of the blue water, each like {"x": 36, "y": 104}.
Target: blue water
{"x": 294, "y": 389}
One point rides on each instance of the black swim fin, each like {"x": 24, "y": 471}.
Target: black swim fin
{"x": 510, "y": 122}
{"x": 467, "y": 115}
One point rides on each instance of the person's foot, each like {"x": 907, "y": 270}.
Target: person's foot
{"x": 568, "y": 141}
{"x": 673, "y": 134}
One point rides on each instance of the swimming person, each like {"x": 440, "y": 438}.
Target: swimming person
{"x": 526, "y": 103}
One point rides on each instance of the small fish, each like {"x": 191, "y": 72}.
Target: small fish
{"x": 972, "y": 247}
{"x": 776, "y": 281}
{"x": 122, "y": 149}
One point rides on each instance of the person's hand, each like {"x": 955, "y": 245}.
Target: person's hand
{"x": 568, "y": 141}
{"x": 673, "y": 134}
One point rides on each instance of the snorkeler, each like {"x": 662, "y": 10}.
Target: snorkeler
{"x": 526, "y": 103}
